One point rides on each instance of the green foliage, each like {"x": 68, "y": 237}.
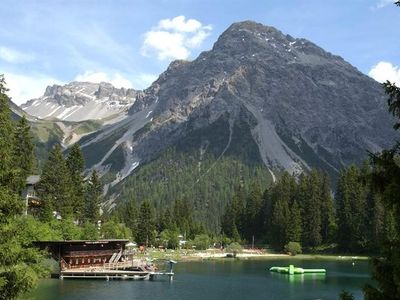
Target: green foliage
{"x": 67, "y": 229}
{"x": 128, "y": 213}
{"x": 293, "y": 248}
{"x": 93, "y": 198}
{"x": 90, "y": 232}
{"x": 115, "y": 230}
{"x": 206, "y": 179}
{"x": 19, "y": 264}
{"x": 385, "y": 180}
{"x": 295, "y": 229}
{"x": 23, "y": 149}
{"x": 310, "y": 199}
{"x": 201, "y": 242}
{"x": 146, "y": 225}
{"x": 76, "y": 164}
{"x": 351, "y": 199}
{"x": 169, "y": 238}
{"x": 55, "y": 186}
{"x": 234, "y": 248}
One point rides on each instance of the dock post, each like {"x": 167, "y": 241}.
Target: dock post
{"x": 171, "y": 270}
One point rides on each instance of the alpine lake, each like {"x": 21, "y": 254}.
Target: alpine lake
{"x": 223, "y": 279}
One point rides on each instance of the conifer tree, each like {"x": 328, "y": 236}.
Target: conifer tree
{"x": 8, "y": 172}
{"x": 23, "y": 148}
{"x": 76, "y": 164}
{"x": 311, "y": 210}
{"x": 295, "y": 230}
{"x": 351, "y": 199}
{"x": 55, "y": 184}
{"x": 252, "y": 213}
{"x": 129, "y": 215}
{"x": 385, "y": 179}
{"x": 146, "y": 224}
{"x": 282, "y": 195}
{"x": 93, "y": 198}
{"x": 328, "y": 223}
{"x": 19, "y": 265}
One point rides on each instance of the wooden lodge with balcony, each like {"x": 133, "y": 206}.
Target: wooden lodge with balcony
{"x": 107, "y": 259}
{"x": 84, "y": 253}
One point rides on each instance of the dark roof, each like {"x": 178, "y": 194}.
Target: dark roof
{"x": 33, "y": 179}
{"x": 48, "y": 243}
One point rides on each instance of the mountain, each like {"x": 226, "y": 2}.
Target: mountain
{"x": 46, "y": 133}
{"x": 258, "y": 103}
{"x": 78, "y": 101}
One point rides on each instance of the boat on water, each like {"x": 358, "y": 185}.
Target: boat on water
{"x": 292, "y": 270}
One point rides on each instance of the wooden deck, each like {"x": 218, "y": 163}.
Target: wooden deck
{"x": 132, "y": 269}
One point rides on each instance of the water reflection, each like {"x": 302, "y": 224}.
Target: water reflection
{"x": 299, "y": 278}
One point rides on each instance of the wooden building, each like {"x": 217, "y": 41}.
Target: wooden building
{"x": 105, "y": 259}
{"x": 84, "y": 253}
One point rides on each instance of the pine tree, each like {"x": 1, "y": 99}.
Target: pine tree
{"x": 23, "y": 151}
{"x": 8, "y": 174}
{"x": 385, "y": 180}
{"x": 55, "y": 185}
{"x": 328, "y": 224}
{"x": 295, "y": 229}
{"x": 311, "y": 210}
{"x": 129, "y": 215}
{"x": 76, "y": 164}
{"x": 93, "y": 198}
{"x": 19, "y": 265}
{"x": 282, "y": 195}
{"x": 253, "y": 213}
{"x": 351, "y": 198}
{"x": 146, "y": 224}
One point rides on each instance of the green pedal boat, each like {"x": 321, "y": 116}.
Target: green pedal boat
{"x": 291, "y": 270}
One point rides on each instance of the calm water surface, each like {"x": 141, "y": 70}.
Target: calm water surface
{"x": 240, "y": 279}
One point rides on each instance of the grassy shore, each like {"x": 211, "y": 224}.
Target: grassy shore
{"x": 214, "y": 254}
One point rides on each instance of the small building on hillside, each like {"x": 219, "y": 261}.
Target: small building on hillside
{"x": 32, "y": 201}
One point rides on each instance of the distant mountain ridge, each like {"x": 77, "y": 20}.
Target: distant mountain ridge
{"x": 78, "y": 101}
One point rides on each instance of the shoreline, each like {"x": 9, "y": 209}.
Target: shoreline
{"x": 215, "y": 255}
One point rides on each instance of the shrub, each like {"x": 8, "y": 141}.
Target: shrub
{"x": 293, "y": 248}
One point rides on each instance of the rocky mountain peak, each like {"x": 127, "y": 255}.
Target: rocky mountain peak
{"x": 77, "y": 101}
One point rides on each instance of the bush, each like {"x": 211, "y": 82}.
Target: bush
{"x": 115, "y": 230}
{"x": 169, "y": 239}
{"x": 234, "y": 248}
{"x": 201, "y": 241}
{"x": 293, "y": 248}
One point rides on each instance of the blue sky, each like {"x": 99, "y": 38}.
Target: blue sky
{"x": 129, "y": 43}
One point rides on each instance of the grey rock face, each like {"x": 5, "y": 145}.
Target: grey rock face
{"x": 308, "y": 108}
{"x": 297, "y": 92}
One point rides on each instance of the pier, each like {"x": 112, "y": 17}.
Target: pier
{"x": 103, "y": 259}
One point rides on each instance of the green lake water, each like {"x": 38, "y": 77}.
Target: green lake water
{"x": 229, "y": 279}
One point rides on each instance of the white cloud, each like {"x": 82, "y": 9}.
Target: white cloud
{"x": 14, "y": 56}
{"x": 174, "y": 38}
{"x": 383, "y": 71}
{"x": 115, "y": 79}
{"x": 23, "y": 87}
{"x": 179, "y": 24}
